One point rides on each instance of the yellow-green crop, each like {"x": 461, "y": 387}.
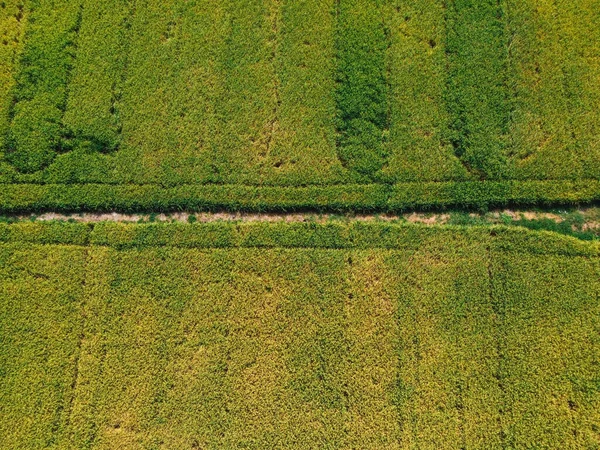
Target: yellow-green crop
{"x": 297, "y": 336}
{"x": 280, "y": 104}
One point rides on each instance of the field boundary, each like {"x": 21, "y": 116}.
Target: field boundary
{"x": 16, "y": 198}
{"x": 355, "y": 235}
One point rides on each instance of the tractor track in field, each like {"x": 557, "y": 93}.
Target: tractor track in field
{"x": 587, "y": 219}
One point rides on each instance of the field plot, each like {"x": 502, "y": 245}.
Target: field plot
{"x": 297, "y": 336}
{"x": 278, "y": 104}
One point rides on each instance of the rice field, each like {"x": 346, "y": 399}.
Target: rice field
{"x": 271, "y": 335}
{"x": 298, "y": 331}
{"x": 276, "y": 104}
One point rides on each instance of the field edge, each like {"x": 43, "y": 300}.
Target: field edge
{"x": 338, "y": 198}
{"x": 335, "y": 235}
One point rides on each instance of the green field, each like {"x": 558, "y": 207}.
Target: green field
{"x": 311, "y": 330}
{"x": 260, "y": 336}
{"x": 280, "y": 104}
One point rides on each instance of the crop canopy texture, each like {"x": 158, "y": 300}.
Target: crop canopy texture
{"x": 279, "y": 104}
{"x": 297, "y": 336}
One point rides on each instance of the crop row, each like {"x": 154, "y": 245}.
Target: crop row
{"x": 555, "y": 74}
{"x": 362, "y": 92}
{"x": 476, "y": 94}
{"x": 418, "y": 146}
{"x": 12, "y": 19}
{"x": 354, "y": 236}
{"x": 40, "y": 93}
{"x": 93, "y": 110}
{"x": 345, "y": 197}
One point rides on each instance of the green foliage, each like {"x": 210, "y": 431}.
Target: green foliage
{"x": 13, "y": 17}
{"x": 562, "y": 227}
{"x": 41, "y": 84}
{"x": 35, "y": 133}
{"x": 362, "y": 91}
{"x": 476, "y": 87}
{"x": 340, "y": 198}
{"x": 571, "y": 223}
{"x": 465, "y": 219}
{"x": 296, "y": 335}
{"x": 279, "y": 105}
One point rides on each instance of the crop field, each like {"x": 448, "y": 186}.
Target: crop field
{"x": 280, "y": 104}
{"x": 343, "y": 325}
{"x": 287, "y": 336}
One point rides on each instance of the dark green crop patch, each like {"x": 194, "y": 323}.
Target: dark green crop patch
{"x": 313, "y": 100}
{"x": 476, "y": 51}
{"x": 42, "y": 77}
{"x": 362, "y": 93}
{"x": 360, "y": 335}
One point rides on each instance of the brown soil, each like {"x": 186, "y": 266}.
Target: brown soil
{"x": 591, "y": 217}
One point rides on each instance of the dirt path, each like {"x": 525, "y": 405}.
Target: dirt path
{"x": 587, "y": 219}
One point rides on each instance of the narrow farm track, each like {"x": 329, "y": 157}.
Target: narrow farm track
{"x": 588, "y": 219}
